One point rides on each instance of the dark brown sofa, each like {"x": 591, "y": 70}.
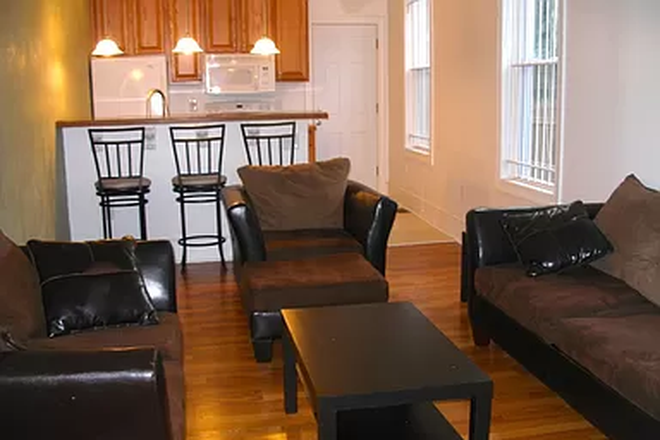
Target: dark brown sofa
{"x": 122, "y": 382}
{"x": 587, "y": 335}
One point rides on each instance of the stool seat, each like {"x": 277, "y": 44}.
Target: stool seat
{"x": 199, "y": 182}
{"x": 320, "y": 281}
{"x": 123, "y": 185}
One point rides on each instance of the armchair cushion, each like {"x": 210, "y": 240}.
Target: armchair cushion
{"x": 83, "y": 301}
{"x": 301, "y": 196}
{"x": 291, "y": 245}
{"x": 21, "y": 310}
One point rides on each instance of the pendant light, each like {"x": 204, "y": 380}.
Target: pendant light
{"x": 265, "y": 46}
{"x": 107, "y": 48}
{"x": 187, "y": 44}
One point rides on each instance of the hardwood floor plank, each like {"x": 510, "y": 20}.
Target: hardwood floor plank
{"x": 231, "y": 397}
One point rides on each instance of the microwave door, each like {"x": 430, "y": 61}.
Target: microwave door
{"x": 232, "y": 79}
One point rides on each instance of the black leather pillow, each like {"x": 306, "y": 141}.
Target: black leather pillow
{"x": 83, "y": 301}
{"x": 555, "y": 238}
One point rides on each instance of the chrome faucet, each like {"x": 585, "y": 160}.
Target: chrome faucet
{"x": 152, "y": 102}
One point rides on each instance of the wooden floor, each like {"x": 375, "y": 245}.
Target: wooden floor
{"x": 230, "y": 396}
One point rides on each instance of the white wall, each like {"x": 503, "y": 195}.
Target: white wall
{"x": 612, "y": 96}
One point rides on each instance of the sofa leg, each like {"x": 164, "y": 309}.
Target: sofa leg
{"x": 263, "y": 350}
{"x": 480, "y": 336}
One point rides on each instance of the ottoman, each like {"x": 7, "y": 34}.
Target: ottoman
{"x": 267, "y": 287}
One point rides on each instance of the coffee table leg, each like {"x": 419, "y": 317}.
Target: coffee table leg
{"x": 327, "y": 420}
{"x": 480, "y": 416}
{"x": 290, "y": 379}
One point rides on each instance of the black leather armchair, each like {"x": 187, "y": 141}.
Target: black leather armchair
{"x": 368, "y": 220}
{"x": 83, "y": 395}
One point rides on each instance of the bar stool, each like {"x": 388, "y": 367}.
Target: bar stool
{"x": 119, "y": 160}
{"x": 198, "y": 154}
{"x": 269, "y": 141}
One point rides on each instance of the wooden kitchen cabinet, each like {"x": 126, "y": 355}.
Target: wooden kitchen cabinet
{"x": 221, "y": 25}
{"x": 290, "y": 30}
{"x": 135, "y": 25}
{"x": 184, "y": 19}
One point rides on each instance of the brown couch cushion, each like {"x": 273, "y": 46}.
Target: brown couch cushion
{"x": 321, "y": 281}
{"x": 165, "y": 336}
{"x": 621, "y": 351}
{"x": 630, "y": 219}
{"x": 539, "y": 303}
{"x": 303, "y": 196}
{"x": 21, "y": 311}
{"x": 289, "y": 245}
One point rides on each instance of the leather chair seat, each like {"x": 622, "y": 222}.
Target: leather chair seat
{"x": 199, "y": 182}
{"x": 320, "y": 281}
{"x": 294, "y": 245}
{"x": 123, "y": 185}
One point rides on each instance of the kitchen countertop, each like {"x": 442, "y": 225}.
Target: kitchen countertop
{"x": 238, "y": 115}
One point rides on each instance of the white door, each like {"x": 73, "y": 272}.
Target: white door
{"x": 345, "y": 82}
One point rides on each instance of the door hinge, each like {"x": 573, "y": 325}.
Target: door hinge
{"x": 377, "y": 43}
{"x": 377, "y": 108}
{"x": 377, "y": 171}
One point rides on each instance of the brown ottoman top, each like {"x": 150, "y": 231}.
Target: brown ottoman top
{"x": 319, "y": 281}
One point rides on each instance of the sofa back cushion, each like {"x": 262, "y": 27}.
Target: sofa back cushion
{"x": 302, "y": 196}
{"x": 630, "y": 219}
{"x": 21, "y": 310}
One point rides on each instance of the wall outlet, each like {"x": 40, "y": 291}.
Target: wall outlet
{"x": 150, "y": 138}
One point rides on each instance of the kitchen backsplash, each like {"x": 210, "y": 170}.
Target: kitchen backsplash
{"x": 192, "y": 99}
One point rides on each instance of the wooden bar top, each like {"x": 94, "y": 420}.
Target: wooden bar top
{"x": 239, "y": 115}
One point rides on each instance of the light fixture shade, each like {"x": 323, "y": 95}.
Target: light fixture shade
{"x": 265, "y": 46}
{"x": 106, "y": 48}
{"x": 187, "y": 46}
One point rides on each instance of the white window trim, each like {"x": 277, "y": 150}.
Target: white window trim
{"x": 420, "y": 150}
{"x": 528, "y": 188}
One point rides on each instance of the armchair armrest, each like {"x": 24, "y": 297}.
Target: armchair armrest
{"x": 368, "y": 217}
{"x": 155, "y": 258}
{"x": 100, "y": 395}
{"x": 487, "y": 244}
{"x": 247, "y": 238}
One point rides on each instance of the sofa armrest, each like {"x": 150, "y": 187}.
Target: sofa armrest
{"x": 155, "y": 259}
{"x": 487, "y": 244}
{"x": 247, "y": 238}
{"x": 99, "y": 395}
{"x": 368, "y": 217}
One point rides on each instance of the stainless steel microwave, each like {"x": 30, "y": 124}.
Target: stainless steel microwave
{"x": 239, "y": 73}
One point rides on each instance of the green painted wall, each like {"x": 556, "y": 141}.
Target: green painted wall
{"x": 44, "y": 53}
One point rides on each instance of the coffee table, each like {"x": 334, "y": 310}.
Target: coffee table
{"x": 374, "y": 370}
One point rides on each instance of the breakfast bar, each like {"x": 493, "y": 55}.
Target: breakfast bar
{"x": 78, "y": 212}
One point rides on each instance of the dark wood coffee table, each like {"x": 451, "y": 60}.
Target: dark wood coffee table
{"x": 374, "y": 370}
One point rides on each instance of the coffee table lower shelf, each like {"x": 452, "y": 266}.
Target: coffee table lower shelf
{"x": 420, "y": 421}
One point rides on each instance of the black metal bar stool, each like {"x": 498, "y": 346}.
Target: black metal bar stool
{"x": 198, "y": 155}
{"x": 267, "y": 143}
{"x": 119, "y": 160}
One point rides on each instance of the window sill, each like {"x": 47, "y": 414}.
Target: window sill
{"x": 533, "y": 194}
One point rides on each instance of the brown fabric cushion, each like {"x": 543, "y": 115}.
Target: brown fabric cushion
{"x": 21, "y": 311}
{"x": 321, "y": 281}
{"x": 165, "y": 336}
{"x": 8, "y": 342}
{"x": 630, "y": 219}
{"x": 303, "y": 196}
{"x": 123, "y": 184}
{"x": 200, "y": 181}
{"x": 539, "y": 303}
{"x": 291, "y": 245}
{"x": 622, "y": 351}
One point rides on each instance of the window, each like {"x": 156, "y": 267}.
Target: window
{"x": 418, "y": 75}
{"x": 529, "y": 92}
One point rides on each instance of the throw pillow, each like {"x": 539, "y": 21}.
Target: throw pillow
{"x": 555, "y": 238}
{"x": 21, "y": 310}
{"x": 84, "y": 301}
{"x": 630, "y": 219}
{"x": 304, "y": 196}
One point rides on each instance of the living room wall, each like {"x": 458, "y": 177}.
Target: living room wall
{"x": 43, "y": 78}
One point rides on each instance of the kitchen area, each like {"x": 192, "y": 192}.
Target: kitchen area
{"x": 185, "y": 63}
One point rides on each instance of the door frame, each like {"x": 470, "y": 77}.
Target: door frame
{"x": 382, "y": 131}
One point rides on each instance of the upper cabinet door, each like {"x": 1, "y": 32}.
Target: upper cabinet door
{"x": 148, "y": 19}
{"x": 109, "y": 21}
{"x": 184, "y": 20}
{"x": 254, "y": 21}
{"x": 291, "y": 34}
{"x": 221, "y": 25}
